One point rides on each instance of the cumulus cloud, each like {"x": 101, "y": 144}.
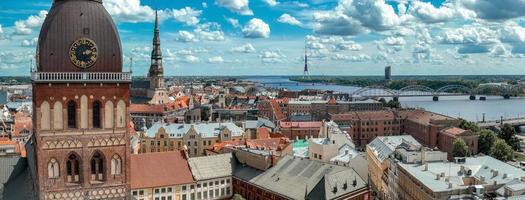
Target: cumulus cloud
{"x": 256, "y": 28}
{"x": 233, "y": 22}
{"x": 246, "y": 48}
{"x": 270, "y": 56}
{"x": 30, "y": 43}
{"x": 239, "y": 6}
{"x": 324, "y": 46}
{"x": 512, "y": 32}
{"x": 25, "y": 27}
{"x": 288, "y": 19}
{"x": 394, "y": 41}
{"x": 187, "y": 15}
{"x": 186, "y": 36}
{"x": 469, "y": 35}
{"x": 271, "y": 2}
{"x": 129, "y": 11}
{"x": 191, "y": 59}
{"x": 495, "y": 9}
{"x": 427, "y": 13}
{"x": 203, "y": 32}
{"x": 358, "y": 58}
{"x": 216, "y": 60}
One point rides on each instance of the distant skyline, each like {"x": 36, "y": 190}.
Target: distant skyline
{"x": 268, "y": 37}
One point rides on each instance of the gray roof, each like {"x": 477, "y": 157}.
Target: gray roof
{"x": 206, "y": 130}
{"x": 482, "y": 166}
{"x": 293, "y": 177}
{"x": 382, "y": 147}
{"x": 210, "y": 167}
{"x": 16, "y": 181}
{"x": 260, "y": 122}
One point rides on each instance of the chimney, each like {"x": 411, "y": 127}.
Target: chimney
{"x": 449, "y": 185}
{"x": 481, "y": 179}
{"x": 437, "y": 176}
{"x": 494, "y": 173}
{"x": 505, "y": 175}
{"x": 426, "y": 167}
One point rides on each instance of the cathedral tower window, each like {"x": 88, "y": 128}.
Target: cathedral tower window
{"x": 53, "y": 169}
{"x": 109, "y": 115}
{"x": 73, "y": 168}
{"x": 71, "y": 114}
{"x": 45, "y": 116}
{"x": 121, "y": 114}
{"x": 116, "y": 165}
{"x": 58, "y": 123}
{"x": 97, "y": 167}
{"x": 96, "y": 115}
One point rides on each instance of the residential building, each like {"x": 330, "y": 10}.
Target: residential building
{"x": 145, "y": 115}
{"x": 213, "y": 176}
{"x": 448, "y": 135}
{"x": 299, "y": 178}
{"x": 364, "y": 126}
{"x": 300, "y": 130}
{"x": 322, "y": 111}
{"x": 425, "y": 126}
{"x": 195, "y": 138}
{"x": 332, "y": 145}
{"x": 161, "y": 176}
{"x": 378, "y": 152}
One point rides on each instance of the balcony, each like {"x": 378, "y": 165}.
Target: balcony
{"x": 81, "y": 77}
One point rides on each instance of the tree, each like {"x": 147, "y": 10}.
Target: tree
{"x": 508, "y": 133}
{"x": 486, "y": 141}
{"x": 460, "y": 148}
{"x": 501, "y": 150}
{"x": 467, "y": 125}
{"x": 237, "y": 197}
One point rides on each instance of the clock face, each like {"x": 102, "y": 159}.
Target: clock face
{"x": 83, "y": 53}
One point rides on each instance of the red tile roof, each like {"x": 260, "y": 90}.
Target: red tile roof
{"x": 279, "y": 115}
{"x": 263, "y": 133}
{"x": 316, "y": 124}
{"x": 22, "y": 122}
{"x": 159, "y": 170}
{"x": 454, "y": 131}
{"x": 268, "y": 144}
{"x": 146, "y": 108}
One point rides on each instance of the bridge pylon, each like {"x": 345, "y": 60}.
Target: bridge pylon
{"x": 435, "y": 98}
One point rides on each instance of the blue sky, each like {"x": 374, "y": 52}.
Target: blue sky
{"x": 267, "y": 37}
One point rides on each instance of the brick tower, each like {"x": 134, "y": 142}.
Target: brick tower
{"x": 80, "y": 149}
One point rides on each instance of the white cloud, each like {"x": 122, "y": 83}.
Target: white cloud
{"x": 204, "y": 5}
{"x": 191, "y": 59}
{"x": 216, "y": 60}
{"x": 270, "y": 56}
{"x": 239, "y": 6}
{"x": 394, "y": 41}
{"x": 129, "y": 11}
{"x": 324, "y": 45}
{"x": 358, "y": 58}
{"x": 233, "y": 22}
{"x": 495, "y": 9}
{"x": 288, "y": 19}
{"x": 469, "y": 35}
{"x": 187, "y": 15}
{"x": 256, "y": 28}
{"x": 30, "y": 43}
{"x": 246, "y": 48}
{"x": 427, "y": 13}
{"x": 500, "y": 51}
{"x": 186, "y": 36}
{"x": 512, "y": 32}
{"x": 271, "y": 2}
{"x": 25, "y": 27}
{"x": 1, "y": 33}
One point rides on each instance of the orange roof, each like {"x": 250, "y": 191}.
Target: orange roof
{"x": 263, "y": 133}
{"x": 365, "y": 115}
{"x": 316, "y": 124}
{"x": 159, "y": 170}
{"x": 146, "y": 108}
{"x": 454, "y": 131}
{"x": 279, "y": 115}
{"x": 22, "y": 122}
{"x": 219, "y": 146}
{"x": 268, "y": 143}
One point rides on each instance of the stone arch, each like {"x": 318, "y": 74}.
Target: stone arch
{"x": 53, "y": 168}
{"x": 109, "y": 118}
{"x": 58, "y": 122}
{"x": 45, "y": 117}
{"x": 116, "y": 165}
{"x": 97, "y": 166}
{"x": 121, "y": 114}
{"x": 83, "y": 111}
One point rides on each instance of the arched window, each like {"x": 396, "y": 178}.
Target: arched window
{"x": 73, "y": 168}
{"x": 109, "y": 115}
{"x": 83, "y": 111}
{"x": 121, "y": 114}
{"x": 45, "y": 116}
{"x": 116, "y": 165}
{"x": 97, "y": 167}
{"x": 96, "y": 115}
{"x": 53, "y": 169}
{"x": 58, "y": 123}
{"x": 71, "y": 114}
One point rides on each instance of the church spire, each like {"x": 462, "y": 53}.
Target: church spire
{"x": 156, "y": 69}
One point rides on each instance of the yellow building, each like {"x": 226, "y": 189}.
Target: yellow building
{"x": 196, "y": 138}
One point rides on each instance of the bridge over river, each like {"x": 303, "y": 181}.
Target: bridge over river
{"x": 506, "y": 91}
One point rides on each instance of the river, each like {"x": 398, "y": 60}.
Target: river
{"x": 456, "y": 106}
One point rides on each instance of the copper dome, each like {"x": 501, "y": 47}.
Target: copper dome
{"x": 71, "y": 20}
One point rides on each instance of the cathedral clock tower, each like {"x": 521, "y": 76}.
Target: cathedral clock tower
{"x": 81, "y": 147}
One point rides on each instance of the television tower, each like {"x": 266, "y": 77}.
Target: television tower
{"x": 305, "y": 73}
